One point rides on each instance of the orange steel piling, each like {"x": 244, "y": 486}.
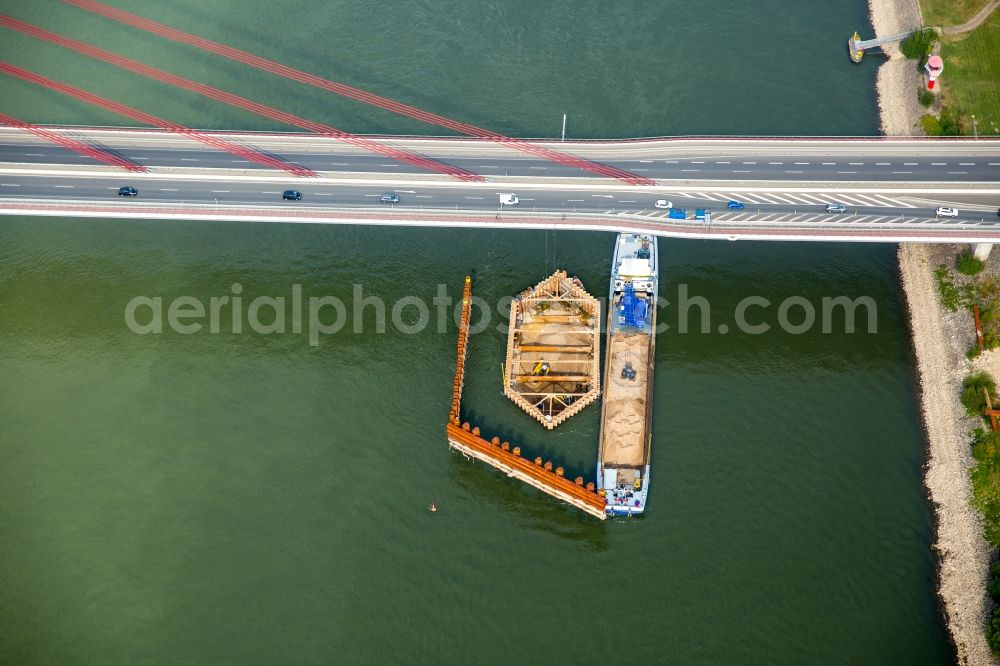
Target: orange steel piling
{"x": 466, "y": 438}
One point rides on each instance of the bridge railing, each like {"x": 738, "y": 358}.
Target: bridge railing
{"x": 836, "y": 226}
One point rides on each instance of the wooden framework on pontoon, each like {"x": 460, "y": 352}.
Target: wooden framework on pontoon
{"x": 552, "y": 369}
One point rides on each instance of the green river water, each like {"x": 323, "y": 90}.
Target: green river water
{"x": 252, "y": 498}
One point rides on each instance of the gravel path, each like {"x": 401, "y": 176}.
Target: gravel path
{"x": 941, "y": 339}
{"x": 975, "y": 21}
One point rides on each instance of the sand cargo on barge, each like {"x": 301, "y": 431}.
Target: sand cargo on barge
{"x": 552, "y": 369}
{"x": 626, "y": 412}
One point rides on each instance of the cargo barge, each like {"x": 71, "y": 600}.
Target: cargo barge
{"x": 626, "y": 411}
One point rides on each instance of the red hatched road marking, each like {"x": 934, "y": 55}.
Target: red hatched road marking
{"x": 356, "y": 93}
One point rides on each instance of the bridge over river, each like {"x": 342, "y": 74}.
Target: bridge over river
{"x": 890, "y": 188}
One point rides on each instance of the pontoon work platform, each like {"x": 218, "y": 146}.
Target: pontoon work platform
{"x": 553, "y": 350}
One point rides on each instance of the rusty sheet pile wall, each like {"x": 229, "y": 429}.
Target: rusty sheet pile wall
{"x": 466, "y": 438}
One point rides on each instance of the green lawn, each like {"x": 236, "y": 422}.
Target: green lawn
{"x": 949, "y": 12}
{"x": 971, "y": 79}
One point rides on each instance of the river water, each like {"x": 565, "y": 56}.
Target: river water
{"x": 255, "y": 498}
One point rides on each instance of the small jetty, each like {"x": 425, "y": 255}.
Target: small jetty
{"x": 856, "y": 46}
{"x": 553, "y": 350}
{"x": 467, "y": 439}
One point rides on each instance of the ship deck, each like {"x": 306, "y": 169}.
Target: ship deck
{"x": 624, "y": 426}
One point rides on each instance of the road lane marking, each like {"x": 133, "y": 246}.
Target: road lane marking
{"x": 575, "y": 200}
{"x": 939, "y": 164}
{"x": 241, "y": 161}
{"x": 957, "y": 173}
{"x": 646, "y": 161}
{"x": 829, "y": 163}
{"x": 670, "y": 161}
{"x": 190, "y": 159}
{"x": 775, "y": 163}
{"x": 330, "y": 194}
{"x": 910, "y": 163}
{"x": 16, "y": 185}
{"x": 787, "y": 171}
{"x": 478, "y": 198}
{"x": 170, "y": 189}
{"x": 423, "y": 196}
{"x": 902, "y": 172}
{"x": 388, "y": 165}
{"x": 883, "y": 164}
{"x": 488, "y": 166}
{"x": 722, "y": 162}
{"x": 966, "y": 164}
{"x": 537, "y": 167}
{"x": 220, "y": 191}
{"x": 855, "y": 164}
{"x": 749, "y": 163}
{"x": 802, "y": 163}
{"x": 68, "y": 187}
{"x": 741, "y": 170}
{"x": 811, "y": 198}
{"x": 697, "y": 161}
{"x": 690, "y": 170}
{"x": 35, "y": 154}
{"x": 847, "y": 172}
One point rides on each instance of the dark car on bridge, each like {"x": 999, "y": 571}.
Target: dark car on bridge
{"x": 128, "y": 192}
{"x": 735, "y": 205}
{"x": 389, "y": 198}
{"x": 291, "y": 195}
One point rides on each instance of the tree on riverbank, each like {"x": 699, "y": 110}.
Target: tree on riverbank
{"x": 919, "y": 45}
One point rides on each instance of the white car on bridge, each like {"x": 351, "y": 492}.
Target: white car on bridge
{"x": 508, "y": 199}
{"x": 945, "y": 211}
{"x": 663, "y": 203}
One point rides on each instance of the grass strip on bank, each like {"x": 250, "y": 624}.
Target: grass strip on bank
{"x": 969, "y": 85}
{"x": 949, "y": 12}
{"x": 971, "y": 79}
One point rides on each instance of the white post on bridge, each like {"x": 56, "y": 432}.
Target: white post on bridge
{"x": 564, "y": 128}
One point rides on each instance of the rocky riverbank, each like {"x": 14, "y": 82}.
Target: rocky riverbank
{"x": 897, "y": 80}
{"x": 941, "y": 340}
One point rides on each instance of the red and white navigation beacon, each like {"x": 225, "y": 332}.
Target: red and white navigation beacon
{"x": 934, "y": 67}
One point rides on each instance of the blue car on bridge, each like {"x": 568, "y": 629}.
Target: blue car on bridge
{"x": 734, "y": 205}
